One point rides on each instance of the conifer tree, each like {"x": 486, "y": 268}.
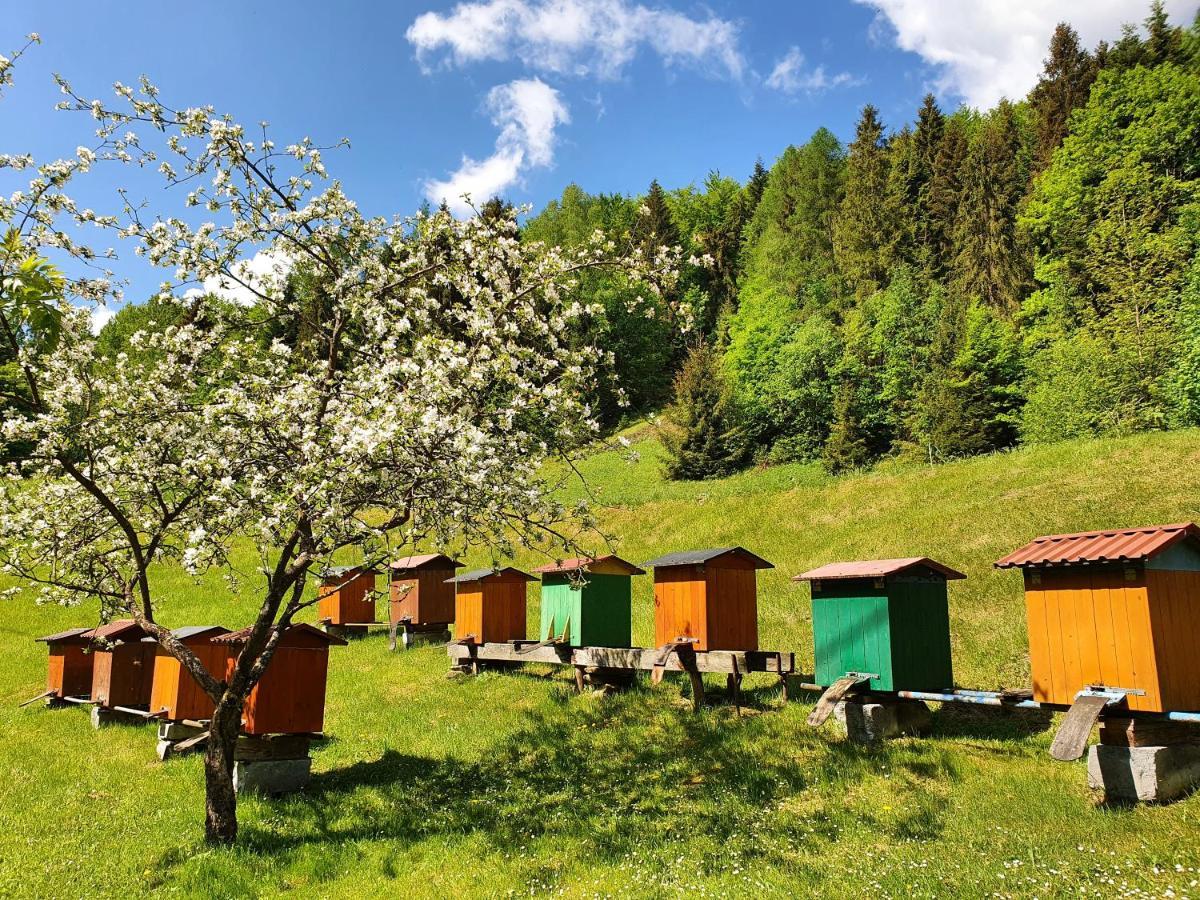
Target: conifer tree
{"x": 865, "y": 231}
{"x": 943, "y": 197}
{"x": 991, "y": 263}
{"x": 1164, "y": 42}
{"x": 927, "y": 143}
{"x": 655, "y": 228}
{"x": 1066, "y": 79}
{"x": 701, "y": 435}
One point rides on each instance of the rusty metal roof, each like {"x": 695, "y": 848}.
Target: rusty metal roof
{"x": 480, "y": 574}
{"x": 118, "y": 630}
{"x": 423, "y": 560}
{"x": 240, "y": 637}
{"x": 74, "y": 635}
{"x": 1099, "y": 546}
{"x": 700, "y": 557}
{"x": 583, "y": 562}
{"x": 876, "y": 568}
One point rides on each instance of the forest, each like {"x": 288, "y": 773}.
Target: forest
{"x": 955, "y": 285}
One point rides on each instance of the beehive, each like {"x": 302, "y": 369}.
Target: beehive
{"x": 1115, "y": 608}
{"x": 347, "y": 596}
{"x": 290, "y": 696}
{"x": 419, "y": 589}
{"x": 123, "y": 665}
{"x": 709, "y": 595}
{"x": 589, "y": 599}
{"x": 69, "y": 668}
{"x": 490, "y": 605}
{"x": 888, "y": 618}
{"x": 173, "y": 689}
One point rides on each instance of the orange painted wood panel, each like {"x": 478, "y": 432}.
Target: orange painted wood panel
{"x": 1141, "y": 634}
{"x": 290, "y": 697}
{"x": 176, "y": 691}
{"x": 348, "y": 603}
{"x": 69, "y": 671}
{"x": 123, "y": 675}
{"x": 468, "y": 612}
{"x": 731, "y": 607}
{"x": 426, "y": 598}
{"x": 1174, "y": 600}
{"x": 1037, "y": 621}
{"x": 679, "y": 605}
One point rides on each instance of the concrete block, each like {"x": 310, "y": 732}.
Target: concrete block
{"x": 176, "y": 731}
{"x": 1143, "y": 774}
{"x": 102, "y": 717}
{"x": 271, "y": 776}
{"x": 868, "y": 723}
{"x": 411, "y": 639}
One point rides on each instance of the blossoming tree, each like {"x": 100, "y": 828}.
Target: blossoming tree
{"x": 440, "y": 368}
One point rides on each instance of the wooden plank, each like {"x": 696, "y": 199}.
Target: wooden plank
{"x": 1076, "y": 728}
{"x": 1139, "y": 732}
{"x": 832, "y": 696}
{"x": 510, "y": 652}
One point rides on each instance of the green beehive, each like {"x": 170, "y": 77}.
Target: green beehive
{"x": 888, "y": 618}
{"x": 589, "y": 600}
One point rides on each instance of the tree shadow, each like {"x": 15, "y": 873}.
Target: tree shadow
{"x": 965, "y": 720}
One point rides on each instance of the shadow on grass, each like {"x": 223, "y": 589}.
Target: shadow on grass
{"x": 612, "y": 778}
{"x": 963, "y": 720}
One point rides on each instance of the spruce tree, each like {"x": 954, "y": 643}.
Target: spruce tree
{"x": 1066, "y": 79}
{"x": 701, "y": 435}
{"x": 1164, "y": 42}
{"x": 927, "y": 143}
{"x": 655, "y": 228}
{"x": 755, "y": 187}
{"x": 943, "y": 197}
{"x": 991, "y": 262}
{"x": 866, "y": 229}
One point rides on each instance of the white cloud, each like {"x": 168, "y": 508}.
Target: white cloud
{"x": 259, "y": 273}
{"x": 527, "y": 112}
{"x": 101, "y": 316}
{"x": 988, "y": 49}
{"x": 576, "y": 37}
{"x": 790, "y": 76}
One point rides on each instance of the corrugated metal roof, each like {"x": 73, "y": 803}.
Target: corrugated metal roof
{"x": 876, "y": 568}
{"x": 113, "y": 631}
{"x": 478, "y": 574}
{"x": 582, "y": 562}
{"x": 1099, "y": 546}
{"x": 240, "y": 637}
{"x": 191, "y": 631}
{"x": 76, "y": 635}
{"x": 700, "y": 557}
{"x": 419, "y": 562}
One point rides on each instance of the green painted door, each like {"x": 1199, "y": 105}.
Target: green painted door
{"x": 920, "y": 625}
{"x": 851, "y": 632}
{"x": 598, "y": 614}
{"x": 560, "y": 608}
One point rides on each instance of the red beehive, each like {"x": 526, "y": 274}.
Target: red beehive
{"x": 347, "y": 596}
{"x": 69, "y": 670}
{"x": 290, "y": 696}
{"x": 123, "y": 668}
{"x": 173, "y": 689}
{"x": 420, "y": 590}
{"x": 709, "y": 595}
{"x": 490, "y": 605}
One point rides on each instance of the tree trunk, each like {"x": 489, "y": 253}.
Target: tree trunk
{"x": 220, "y": 801}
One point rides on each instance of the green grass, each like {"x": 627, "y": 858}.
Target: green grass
{"x": 510, "y": 784}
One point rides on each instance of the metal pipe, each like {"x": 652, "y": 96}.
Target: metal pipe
{"x": 995, "y": 698}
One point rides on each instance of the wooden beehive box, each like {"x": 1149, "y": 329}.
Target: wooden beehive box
{"x": 347, "y": 596}
{"x": 490, "y": 605}
{"x": 589, "y": 599}
{"x": 69, "y": 668}
{"x": 123, "y": 665}
{"x": 1115, "y": 608}
{"x": 419, "y": 590}
{"x": 889, "y": 618}
{"x": 173, "y": 689}
{"x": 709, "y": 595}
{"x": 290, "y": 696}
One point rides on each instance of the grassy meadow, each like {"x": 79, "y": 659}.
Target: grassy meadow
{"x": 509, "y": 784}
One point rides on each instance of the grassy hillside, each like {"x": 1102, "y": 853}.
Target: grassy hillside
{"x": 510, "y": 784}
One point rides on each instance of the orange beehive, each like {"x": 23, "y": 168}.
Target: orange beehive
{"x": 709, "y": 595}
{"x": 69, "y": 670}
{"x": 123, "y": 665}
{"x": 1115, "y": 608}
{"x": 173, "y": 688}
{"x": 490, "y": 605}
{"x": 420, "y": 590}
{"x": 290, "y": 696}
{"x": 347, "y": 596}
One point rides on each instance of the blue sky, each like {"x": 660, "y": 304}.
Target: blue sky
{"x": 527, "y": 96}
